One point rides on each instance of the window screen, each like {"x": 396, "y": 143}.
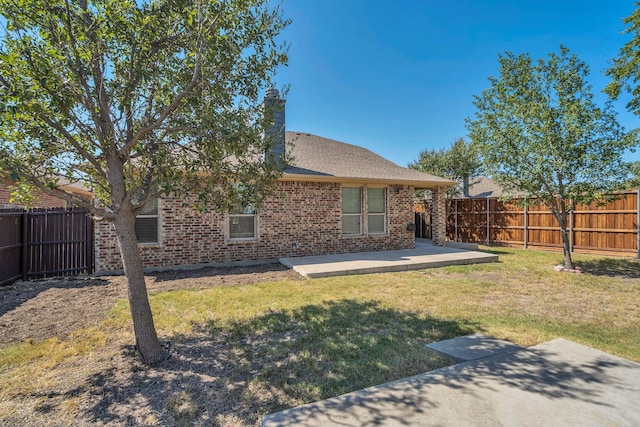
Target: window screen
{"x": 376, "y": 208}
{"x": 242, "y": 224}
{"x": 351, "y": 210}
{"x": 147, "y": 223}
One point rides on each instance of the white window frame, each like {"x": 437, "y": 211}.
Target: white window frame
{"x": 247, "y": 213}
{"x": 382, "y": 214}
{"x": 359, "y": 214}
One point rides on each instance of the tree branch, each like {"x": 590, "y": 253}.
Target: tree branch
{"x": 105, "y": 123}
{"x": 176, "y": 102}
{"x": 81, "y": 150}
{"x": 166, "y": 113}
{"x": 78, "y": 69}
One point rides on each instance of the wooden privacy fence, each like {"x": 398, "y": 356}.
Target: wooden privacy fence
{"x": 45, "y": 243}
{"x": 608, "y": 229}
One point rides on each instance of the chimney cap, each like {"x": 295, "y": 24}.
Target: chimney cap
{"x": 272, "y": 93}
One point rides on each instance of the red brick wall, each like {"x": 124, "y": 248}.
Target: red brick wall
{"x": 306, "y": 214}
{"x": 41, "y": 200}
{"x": 439, "y": 216}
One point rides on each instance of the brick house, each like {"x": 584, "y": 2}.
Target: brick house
{"x": 333, "y": 198}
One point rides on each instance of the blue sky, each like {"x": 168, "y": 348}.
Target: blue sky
{"x": 399, "y": 76}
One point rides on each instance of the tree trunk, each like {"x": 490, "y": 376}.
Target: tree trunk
{"x": 561, "y": 216}
{"x": 559, "y": 211}
{"x": 568, "y": 262}
{"x": 147, "y": 341}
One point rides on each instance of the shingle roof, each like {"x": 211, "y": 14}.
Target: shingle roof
{"x": 482, "y": 187}
{"x": 324, "y": 159}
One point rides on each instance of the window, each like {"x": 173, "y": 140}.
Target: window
{"x": 147, "y": 223}
{"x": 242, "y": 224}
{"x": 376, "y": 210}
{"x": 373, "y": 214}
{"x": 351, "y": 210}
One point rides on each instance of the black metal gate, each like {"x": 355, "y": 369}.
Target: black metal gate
{"x": 423, "y": 225}
{"x": 45, "y": 243}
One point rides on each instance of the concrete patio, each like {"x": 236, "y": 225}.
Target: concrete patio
{"x": 557, "y": 383}
{"x": 425, "y": 255}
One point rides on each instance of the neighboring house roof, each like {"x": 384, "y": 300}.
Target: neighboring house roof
{"x": 42, "y": 199}
{"x": 76, "y": 187}
{"x": 482, "y": 187}
{"x": 321, "y": 159}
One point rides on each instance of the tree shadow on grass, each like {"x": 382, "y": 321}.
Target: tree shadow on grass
{"x": 235, "y": 374}
{"x": 561, "y": 391}
{"x": 238, "y": 373}
{"x": 612, "y": 267}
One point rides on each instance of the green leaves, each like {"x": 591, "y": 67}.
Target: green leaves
{"x": 540, "y": 133}
{"x": 538, "y": 128}
{"x": 459, "y": 163}
{"x": 148, "y": 83}
{"x": 633, "y": 180}
{"x": 625, "y": 71}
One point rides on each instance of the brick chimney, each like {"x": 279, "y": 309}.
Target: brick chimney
{"x": 274, "y": 112}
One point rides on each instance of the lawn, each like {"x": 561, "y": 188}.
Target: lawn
{"x": 242, "y": 351}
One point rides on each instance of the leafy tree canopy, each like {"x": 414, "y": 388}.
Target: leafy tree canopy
{"x": 625, "y": 69}
{"x": 459, "y": 162}
{"x": 168, "y": 90}
{"x": 634, "y": 175}
{"x": 540, "y": 132}
{"x": 139, "y": 99}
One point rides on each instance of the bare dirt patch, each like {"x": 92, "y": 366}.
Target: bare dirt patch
{"x": 47, "y": 308}
{"x": 205, "y": 382}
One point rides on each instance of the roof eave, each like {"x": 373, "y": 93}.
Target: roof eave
{"x": 418, "y": 184}
{"x": 75, "y": 190}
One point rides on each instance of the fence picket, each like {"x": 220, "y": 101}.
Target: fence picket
{"x": 51, "y": 242}
{"x": 608, "y": 229}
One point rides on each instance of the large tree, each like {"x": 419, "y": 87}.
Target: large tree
{"x": 633, "y": 182}
{"x": 625, "y": 76}
{"x": 540, "y": 133}
{"x": 139, "y": 99}
{"x": 625, "y": 69}
{"x": 459, "y": 162}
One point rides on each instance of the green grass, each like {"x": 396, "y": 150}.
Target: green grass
{"x": 322, "y": 337}
{"x": 300, "y": 341}
{"x": 521, "y": 298}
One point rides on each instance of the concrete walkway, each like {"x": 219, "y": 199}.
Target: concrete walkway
{"x": 425, "y": 255}
{"x": 558, "y": 383}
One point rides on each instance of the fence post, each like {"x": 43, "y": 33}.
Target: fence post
{"x": 488, "y": 202}
{"x": 638, "y": 225}
{"x": 25, "y": 249}
{"x": 526, "y": 231}
{"x": 89, "y": 248}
